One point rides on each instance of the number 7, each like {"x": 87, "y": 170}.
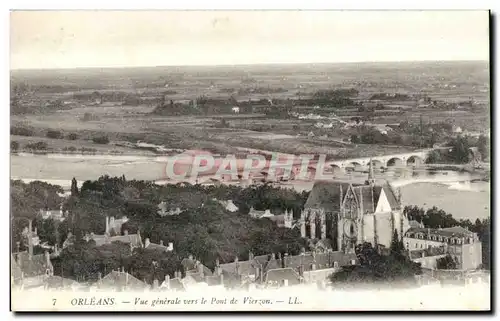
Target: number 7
{"x": 54, "y": 303}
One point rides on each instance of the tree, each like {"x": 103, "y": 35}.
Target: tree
{"x": 54, "y": 134}
{"x": 14, "y": 146}
{"x": 397, "y": 246}
{"x": 100, "y": 139}
{"x": 72, "y": 136}
{"x": 446, "y": 263}
{"x": 483, "y": 146}
{"x": 74, "y": 187}
{"x": 460, "y": 152}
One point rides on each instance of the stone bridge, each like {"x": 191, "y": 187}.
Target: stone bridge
{"x": 415, "y": 158}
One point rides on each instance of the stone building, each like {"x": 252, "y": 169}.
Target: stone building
{"x": 428, "y": 245}
{"x": 346, "y": 213}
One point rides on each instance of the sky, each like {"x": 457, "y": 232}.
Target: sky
{"x": 75, "y": 39}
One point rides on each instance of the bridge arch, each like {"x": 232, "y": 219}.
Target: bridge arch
{"x": 356, "y": 166}
{"x": 394, "y": 161}
{"x": 336, "y": 169}
{"x": 415, "y": 160}
{"x": 377, "y": 164}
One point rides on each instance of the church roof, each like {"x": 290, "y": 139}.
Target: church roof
{"x": 326, "y": 194}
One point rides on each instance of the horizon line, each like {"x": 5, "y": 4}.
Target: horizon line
{"x": 253, "y": 64}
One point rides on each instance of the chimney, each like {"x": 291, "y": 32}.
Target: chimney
{"x": 99, "y": 276}
{"x": 36, "y": 231}
{"x": 155, "y": 284}
{"x": 30, "y": 240}
{"x": 170, "y": 246}
{"x": 285, "y": 260}
{"x": 250, "y": 256}
{"x": 112, "y": 222}
{"x": 146, "y": 242}
{"x": 161, "y": 242}
{"x": 222, "y": 279}
{"x": 190, "y": 257}
{"x": 167, "y": 281}
{"x": 257, "y": 273}
{"x": 237, "y": 267}
{"x": 125, "y": 232}
{"x": 200, "y": 268}
{"x": 273, "y": 256}
{"x": 107, "y": 226}
{"x": 47, "y": 258}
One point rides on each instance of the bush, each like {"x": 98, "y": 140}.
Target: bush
{"x": 70, "y": 149}
{"x": 54, "y": 134}
{"x": 21, "y": 131}
{"x": 37, "y": 146}
{"x": 72, "y": 136}
{"x": 101, "y": 140}
{"x": 14, "y": 146}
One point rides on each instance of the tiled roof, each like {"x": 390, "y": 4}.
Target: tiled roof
{"x": 213, "y": 280}
{"x": 322, "y": 260}
{"x": 188, "y": 264}
{"x": 36, "y": 266}
{"x": 244, "y": 267}
{"x": 135, "y": 239}
{"x": 445, "y": 232}
{"x": 197, "y": 277}
{"x": 122, "y": 280}
{"x": 279, "y": 275}
{"x": 154, "y": 246}
{"x": 176, "y": 284}
{"x": 57, "y": 282}
{"x": 206, "y": 271}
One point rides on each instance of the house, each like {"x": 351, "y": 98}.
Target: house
{"x": 114, "y": 226}
{"x": 426, "y": 245}
{"x": 153, "y": 246}
{"x": 53, "y": 214}
{"x": 163, "y": 210}
{"x": 229, "y": 205}
{"x": 174, "y": 284}
{"x": 281, "y": 277}
{"x": 121, "y": 281}
{"x": 30, "y": 270}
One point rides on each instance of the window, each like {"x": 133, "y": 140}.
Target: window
{"x": 335, "y": 264}
{"x": 353, "y": 262}
{"x": 416, "y": 245}
{"x": 407, "y": 245}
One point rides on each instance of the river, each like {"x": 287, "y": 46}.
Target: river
{"x": 457, "y": 193}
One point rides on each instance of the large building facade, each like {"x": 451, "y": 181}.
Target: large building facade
{"x": 343, "y": 214}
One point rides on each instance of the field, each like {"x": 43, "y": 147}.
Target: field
{"x": 443, "y": 81}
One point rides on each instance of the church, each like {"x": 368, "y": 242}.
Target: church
{"x": 342, "y": 214}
